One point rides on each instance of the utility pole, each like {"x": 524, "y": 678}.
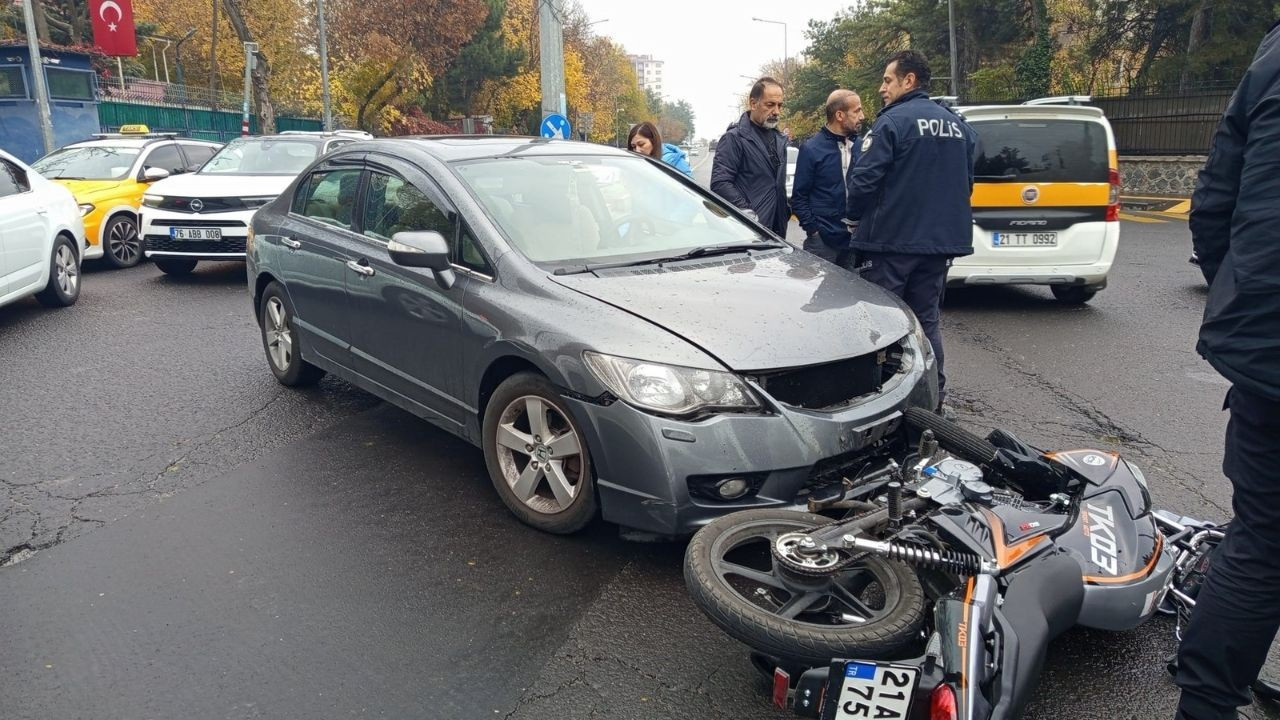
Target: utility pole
{"x": 213, "y": 61}
{"x": 37, "y": 75}
{"x": 250, "y": 49}
{"x": 951, "y": 22}
{"x": 324, "y": 68}
{"x": 551, "y": 54}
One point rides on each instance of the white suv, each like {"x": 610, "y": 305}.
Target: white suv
{"x": 205, "y": 215}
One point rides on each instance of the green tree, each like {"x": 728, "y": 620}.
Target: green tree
{"x": 486, "y": 58}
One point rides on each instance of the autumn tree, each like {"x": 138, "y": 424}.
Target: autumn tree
{"x": 386, "y": 51}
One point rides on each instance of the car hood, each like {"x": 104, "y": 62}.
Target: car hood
{"x": 777, "y": 310}
{"x": 91, "y": 190}
{"x": 197, "y": 185}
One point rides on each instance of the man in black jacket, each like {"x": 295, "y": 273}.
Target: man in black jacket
{"x": 822, "y": 168}
{"x": 750, "y": 167}
{"x": 1235, "y": 227}
{"x": 909, "y": 194}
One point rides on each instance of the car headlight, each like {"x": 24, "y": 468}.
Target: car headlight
{"x": 670, "y": 389}
{"x": 257, "y": 202}
{"x": 152, "y": 201}
{"x": 920, "y": 345}
{"x": 85, "y": 209}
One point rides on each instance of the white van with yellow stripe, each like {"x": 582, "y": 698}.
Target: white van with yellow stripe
{"x": 1046, "y": 198}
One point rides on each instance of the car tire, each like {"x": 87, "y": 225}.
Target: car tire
{"x": 1073, "y": 294}
{"x": 519, "y": 450}
{"x": 175, "y": 266}
{"x": 122, "y": 245}
{"x": 63, "y": 288}
{"x": 280, "y": 340}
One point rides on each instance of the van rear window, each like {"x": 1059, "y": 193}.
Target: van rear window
{"x": 1040, "y": 151}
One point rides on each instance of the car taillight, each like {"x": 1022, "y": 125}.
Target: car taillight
{"x": 1113, "y": 198}
{"x": 942, "y": 704}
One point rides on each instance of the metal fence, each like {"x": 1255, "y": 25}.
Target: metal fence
{"x": 1166, "y": 119}
{"x": 155, "y": 92}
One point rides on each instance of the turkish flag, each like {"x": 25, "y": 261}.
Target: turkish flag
{"x": 113, "y": 31}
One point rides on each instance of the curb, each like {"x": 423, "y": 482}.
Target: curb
{"x": 1168, "y": 205}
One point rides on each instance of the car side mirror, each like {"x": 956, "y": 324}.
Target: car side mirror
{"x": 153, "y": 174}
{"x": 423, "y": 250}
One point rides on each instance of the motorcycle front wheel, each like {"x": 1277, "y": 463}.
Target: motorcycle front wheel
{"x": 872, "y": 609}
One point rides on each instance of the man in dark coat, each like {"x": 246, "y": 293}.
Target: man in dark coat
{"x": 750, "y": 167}
{"x": 818, "y": 196}
{"x": 1235, "y": 227}
{"x": 909, "y": 193}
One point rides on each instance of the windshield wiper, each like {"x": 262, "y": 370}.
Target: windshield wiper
{"x": 995, "y": 177}
{"x": 705, "y": 251}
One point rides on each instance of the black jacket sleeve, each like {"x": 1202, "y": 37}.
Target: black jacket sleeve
{"x": 867, "y": 176}
{"x": 724, "y": 170}
{"x": 1255, "y": 235}
{"x": 1214, "y": 200}
{"x": 802, "y": 186}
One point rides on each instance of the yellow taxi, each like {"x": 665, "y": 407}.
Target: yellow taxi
{"x": 108, "y": 175}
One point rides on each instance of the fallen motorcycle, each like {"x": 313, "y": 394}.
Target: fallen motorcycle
{"x": 936, "y": 591}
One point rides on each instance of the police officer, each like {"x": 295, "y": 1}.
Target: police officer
{"x": 909, "y": 195}
{"x": 1235, "y": 211}
{"x": 750, "y": 166}
{"x": 822, "y": 167}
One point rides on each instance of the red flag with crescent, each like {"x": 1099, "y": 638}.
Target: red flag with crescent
{"x": 113, "y": 31}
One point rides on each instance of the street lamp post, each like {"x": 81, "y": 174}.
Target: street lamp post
{"x": 250, "y": 53}
{"x": 37, "y": 77}
{"x": 786, "y": 60}
{"x": 951, "y": 23}
{"x": 324, "y": 67}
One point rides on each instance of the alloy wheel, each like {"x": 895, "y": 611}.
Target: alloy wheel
{"x": 122, "y": 242}
{"x": 540, "y": 454}
{"x": 66, "y": 270}
{"x": 277, "y": 334}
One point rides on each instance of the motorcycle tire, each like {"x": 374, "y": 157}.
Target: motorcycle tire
{"x": 891, "y": 635}
{"x": 951, "y": 436}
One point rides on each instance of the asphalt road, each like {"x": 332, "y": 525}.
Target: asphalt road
{"x": 182, "y": 537}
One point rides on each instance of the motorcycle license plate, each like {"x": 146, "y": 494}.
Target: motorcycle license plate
{"x": 876, "y": 691}
{"x": 1024, "y": 239}
{"x": 195, "y": 233}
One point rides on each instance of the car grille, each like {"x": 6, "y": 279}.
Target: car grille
{"x": 214, "y": 204}
{"x": 198, "y": 222}
{"x": 833, "y": 385}
{"x": 164, "y": 243}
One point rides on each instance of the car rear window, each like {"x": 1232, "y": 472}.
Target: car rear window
{"x": 1040, "y": 151}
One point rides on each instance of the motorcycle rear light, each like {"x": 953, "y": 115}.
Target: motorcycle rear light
{"x": 1113, "y": 198}
{"x": 781, "y": 684}
{"x": 942, "y": 704}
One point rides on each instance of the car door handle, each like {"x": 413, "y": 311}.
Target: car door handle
{"x": 290, "y": 243}
{"x": 42, "y": 211}
{"x": 360, "y": 268}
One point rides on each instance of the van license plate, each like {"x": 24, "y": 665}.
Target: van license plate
{"x": 1024, "y": 239}
{"x": 195, "y": 233}
{"x": 872, "y": 690}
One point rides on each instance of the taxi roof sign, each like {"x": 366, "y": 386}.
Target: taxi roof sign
{"x": 138, "y": 129}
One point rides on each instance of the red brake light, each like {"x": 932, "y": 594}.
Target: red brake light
{"x": 942, "y": 704}
{"x": 1113, "y": 198}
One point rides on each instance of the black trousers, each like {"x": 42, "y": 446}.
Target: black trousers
{"x": 920, "y": 281}
{"x": 1237, "y": 611}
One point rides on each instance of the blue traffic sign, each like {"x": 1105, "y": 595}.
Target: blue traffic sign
{"x": 556, "y": 127}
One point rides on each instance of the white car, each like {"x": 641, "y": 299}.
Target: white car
{"x": 1046, "y": 198}
{"x": 41, "y": 237}
{"x": 205, "y": 215}
{"x": 793, "y": 156}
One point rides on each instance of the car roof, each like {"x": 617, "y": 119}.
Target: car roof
{"x": 136, "y": 142}
{"x": 453, "y": 148}
{"x": 1047, "y": 112}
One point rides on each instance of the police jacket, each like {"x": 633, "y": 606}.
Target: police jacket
{"x": 743, "y": 173}
{"x": 909, "y": 191}
{"x": 1235, "y": 227}
{"x": 818, "y": 193}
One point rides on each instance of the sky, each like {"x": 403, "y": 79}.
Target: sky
{"x": 709, "y": 45}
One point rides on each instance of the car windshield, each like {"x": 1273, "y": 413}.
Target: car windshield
{"x": 1041, "y": 151}
{"x": 93, "y": 162}
{"x": 262, "y": 156}
{"x": 587, "y": 210}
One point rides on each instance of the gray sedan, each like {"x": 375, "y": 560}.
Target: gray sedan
{"x": 618, "y": 340}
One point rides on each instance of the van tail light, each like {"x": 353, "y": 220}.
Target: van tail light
{"x": 942, "y": 704}
{"x": 1113, "y": 198}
